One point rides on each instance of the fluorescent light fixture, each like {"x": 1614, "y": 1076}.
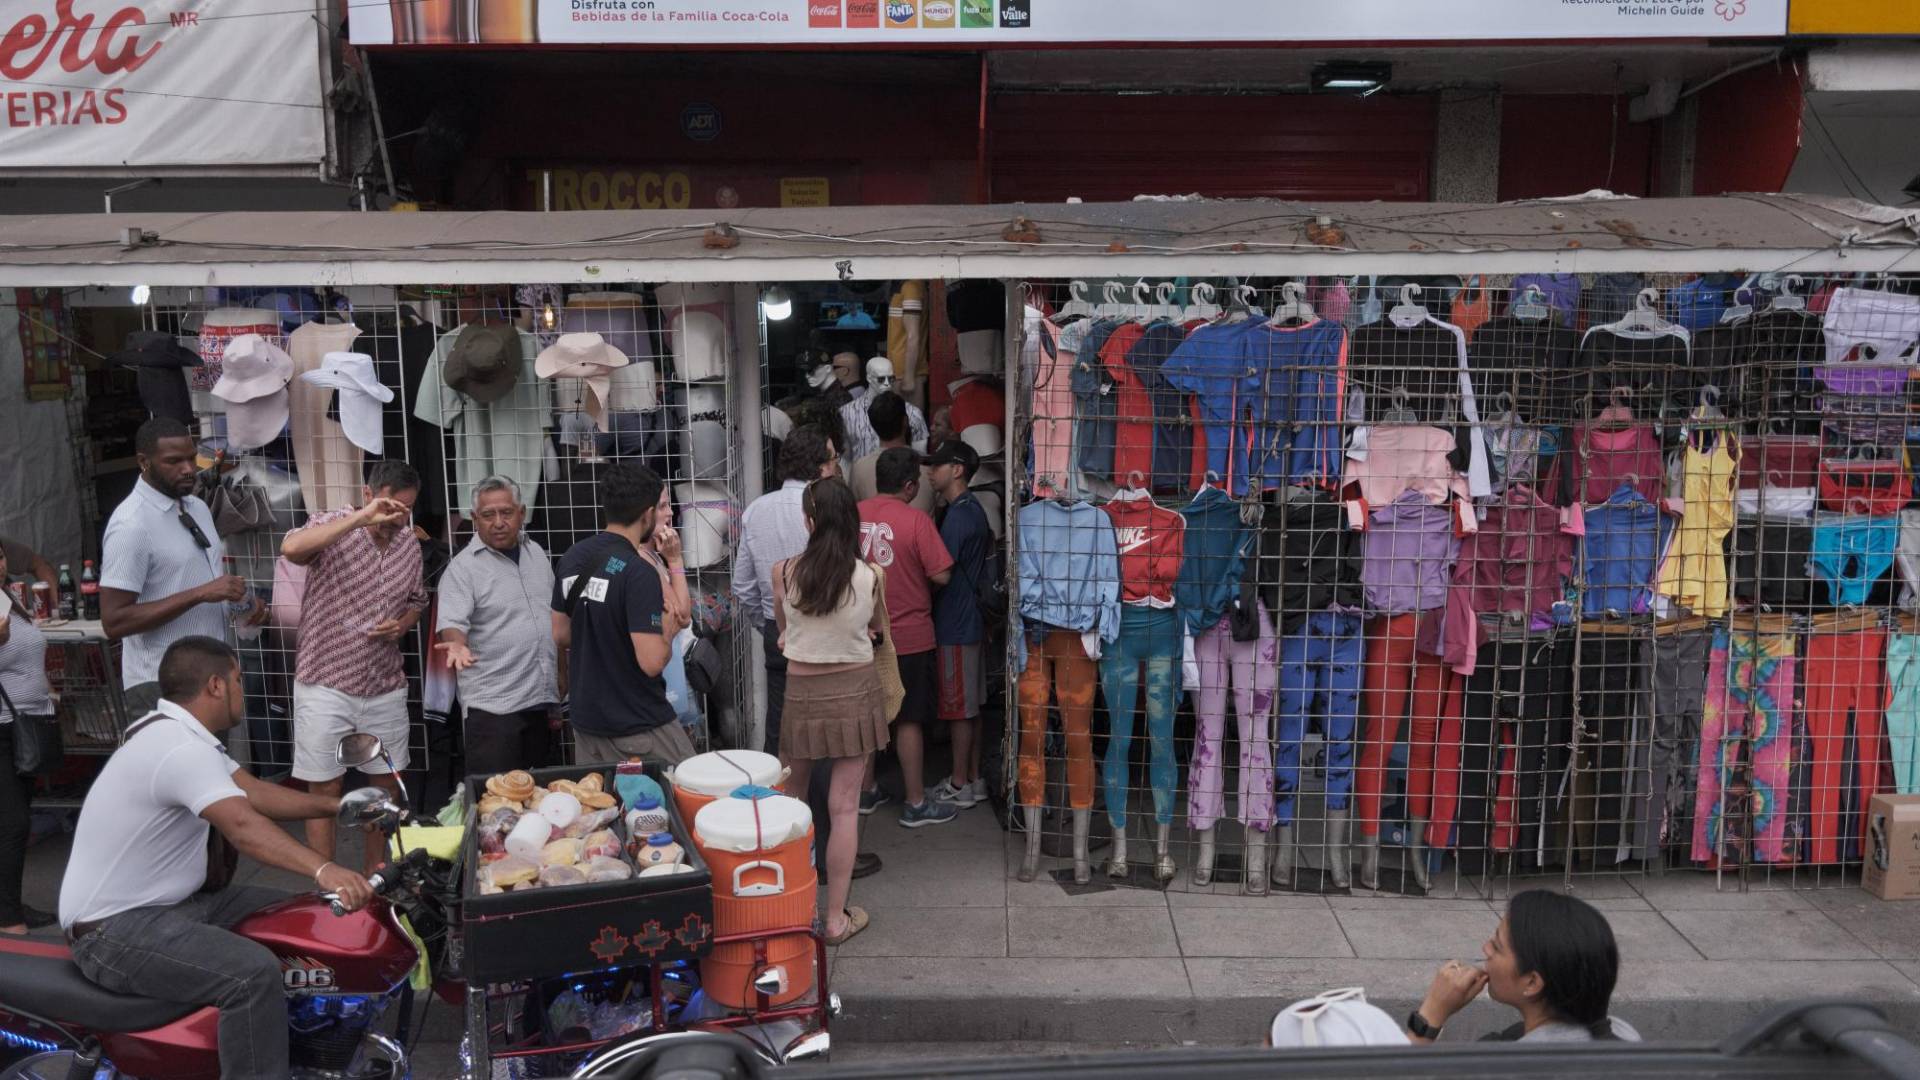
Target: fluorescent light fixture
{"x": 1351, "y": 76}
{"x": 776, "y": 304}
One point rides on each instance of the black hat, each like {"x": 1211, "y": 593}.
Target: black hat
{"x": 952, "y": 451}
{"x": 154, "y": 349}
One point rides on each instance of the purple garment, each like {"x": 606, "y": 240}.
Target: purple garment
{"x": 1859, "y": 378}
{"x": 1407, "y": 555}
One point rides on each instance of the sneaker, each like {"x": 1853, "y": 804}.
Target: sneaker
{"x": 872, "y": 800}
{"x": 959, "y": 795}
{"x": 930, "y": 812}
{"x": 978, "y": 789}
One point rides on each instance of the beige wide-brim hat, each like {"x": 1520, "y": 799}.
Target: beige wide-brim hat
{"x": 252, "y": 367}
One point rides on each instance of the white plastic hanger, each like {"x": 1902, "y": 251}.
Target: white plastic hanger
{"x": 1531, "y": 306}
{"x": 1738, "y": 312}
{"x": 1077, "y": 302}
{"x": 1645, "y": 321}
{"x": 1200, "y": 303}
{"x": 1787, "y": 299}
{"x": 1294, "y": 309}
{"x": 1409, "y": 311}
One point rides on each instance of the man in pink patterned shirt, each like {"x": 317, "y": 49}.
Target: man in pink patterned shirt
{"x": 364, "y": 592}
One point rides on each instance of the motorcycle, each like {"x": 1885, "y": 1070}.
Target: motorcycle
{"x": 343, "y": 972}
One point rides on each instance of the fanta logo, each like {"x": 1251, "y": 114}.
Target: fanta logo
{"x": 901, "y": 12}
{"x": 108, "y": 49}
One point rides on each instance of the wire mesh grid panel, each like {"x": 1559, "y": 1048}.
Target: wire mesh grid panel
{"x": 1440, "y": 586}
{"x": 278, "y": 450}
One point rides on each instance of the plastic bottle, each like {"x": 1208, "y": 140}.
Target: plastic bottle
{"x": 660, "y": 850}
{"x": 69, "y": 599}
{"x": 647, "y": 817}
{"x": 89, "y": 592}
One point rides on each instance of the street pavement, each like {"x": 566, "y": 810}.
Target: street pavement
{"x": 961, "y": 957}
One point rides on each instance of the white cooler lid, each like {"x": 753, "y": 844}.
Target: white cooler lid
{"x": 742, "y": 825}
{"x": 718, "y": 772}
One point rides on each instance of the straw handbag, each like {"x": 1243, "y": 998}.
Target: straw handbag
{"x": 886, "y": 661}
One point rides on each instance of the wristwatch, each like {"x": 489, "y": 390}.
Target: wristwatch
{"x": 1417, "y": 1026}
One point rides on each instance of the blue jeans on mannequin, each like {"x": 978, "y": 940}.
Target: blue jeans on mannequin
{"x": 1320, "y": 667}
{"x": 1150, "y": 639}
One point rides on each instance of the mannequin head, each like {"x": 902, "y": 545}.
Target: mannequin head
{"x": 846, "y": 368}
{"x": 879, "y": 374}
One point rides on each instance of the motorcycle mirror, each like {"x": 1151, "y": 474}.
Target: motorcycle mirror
{"x": 363, "y": 806}
{"x": 814, "y": 1047}
{"x": 358, "y": 749}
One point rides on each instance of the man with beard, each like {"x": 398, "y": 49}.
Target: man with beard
{"x": 614, "y": 629}
{"x": 162, "y": 574}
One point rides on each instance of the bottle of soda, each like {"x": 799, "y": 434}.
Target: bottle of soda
{"x": 89, "y": 592}
{"x": 69, "y": 600}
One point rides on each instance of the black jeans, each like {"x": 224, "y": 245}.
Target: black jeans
{"x": 186, "y": 953}
{"x": 1613, "y": 681}
{"x": 1521, "y": 691}
{"x": 15, "y": 794}
{"x": 502, "y": 742}
{"x": 818, "y": 780}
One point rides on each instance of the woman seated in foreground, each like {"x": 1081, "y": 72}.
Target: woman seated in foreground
{"x": 1553, "y": 959}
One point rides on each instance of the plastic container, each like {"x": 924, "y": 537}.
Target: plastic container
{"x": 759, "y": 847}
{"x": 657, "y": 850}
{"x": 727, "y": 973}
{"x": 703, "y": 778}
{"x": 646, "y": 817}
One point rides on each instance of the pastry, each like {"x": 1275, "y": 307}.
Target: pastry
{"x": 489, "y": 803}
{"x": 516, "y": 785}
{"x": 592, "y": 782}
{"x": 513, "y": 870}
{"x": 561, "y": 853}
{"x": 596, "y": 800}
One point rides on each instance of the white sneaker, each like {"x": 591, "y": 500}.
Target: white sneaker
{"x": 979, "y": 789}
{"x": 961, "y": 795}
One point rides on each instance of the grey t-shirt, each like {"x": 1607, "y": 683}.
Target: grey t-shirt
{"x": 1566, "y": 1033}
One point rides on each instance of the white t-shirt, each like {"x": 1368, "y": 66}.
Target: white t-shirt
{"x": 141, "y": 841}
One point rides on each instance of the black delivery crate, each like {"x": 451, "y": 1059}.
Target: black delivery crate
{"x": 541, "y": 933}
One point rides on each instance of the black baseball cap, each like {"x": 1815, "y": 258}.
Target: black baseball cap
{"x": 953, "y": 451}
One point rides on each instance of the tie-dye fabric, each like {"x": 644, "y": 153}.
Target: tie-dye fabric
{"x": 1749, "y": 708}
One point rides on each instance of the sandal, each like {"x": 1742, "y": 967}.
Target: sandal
{"x": 857, "y": 920}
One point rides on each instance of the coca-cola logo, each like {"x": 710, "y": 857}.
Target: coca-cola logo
{"x": 109, "y": 46}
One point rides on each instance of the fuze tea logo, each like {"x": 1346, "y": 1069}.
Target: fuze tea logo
{"x": 938, "y": 14}
{"x": 903, "y": 14}
{"x": 976, "y": 14}
{"x": 863, "y": 14}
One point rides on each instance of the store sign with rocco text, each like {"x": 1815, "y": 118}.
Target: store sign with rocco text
{"x": 919, "y": 24}
{"x": 114, "y": 84}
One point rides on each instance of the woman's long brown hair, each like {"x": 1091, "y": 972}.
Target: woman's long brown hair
{"x": 820, "y": 579}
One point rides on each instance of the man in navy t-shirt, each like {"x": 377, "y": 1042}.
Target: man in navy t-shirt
{"x": 958, "y": 629}
{"x": 614, "y": 631}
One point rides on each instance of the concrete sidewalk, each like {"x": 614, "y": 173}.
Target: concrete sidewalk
{"x": 959, "y": 950}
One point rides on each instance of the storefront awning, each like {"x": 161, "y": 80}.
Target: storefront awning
{"x": 1158, "y": 237}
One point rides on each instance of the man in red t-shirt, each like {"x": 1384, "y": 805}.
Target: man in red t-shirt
{"x": 904, "y": 542}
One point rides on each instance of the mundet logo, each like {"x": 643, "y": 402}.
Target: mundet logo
{"x": 111, "y": 48}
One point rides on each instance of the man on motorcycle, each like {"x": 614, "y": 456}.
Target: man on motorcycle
{"x": 131, "y": 903}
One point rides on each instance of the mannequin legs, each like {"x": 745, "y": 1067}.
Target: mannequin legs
{"x": 1057, "y": 669}
{"x": 1030, "y": 864}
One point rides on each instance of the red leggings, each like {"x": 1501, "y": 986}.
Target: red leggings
{"x": 1397, "y": 675}
{"x": 1844, "y": 672}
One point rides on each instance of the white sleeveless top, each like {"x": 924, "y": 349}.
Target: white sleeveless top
{"x": 837, "y": 638}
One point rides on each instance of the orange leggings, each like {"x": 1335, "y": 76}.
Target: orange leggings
{"x": 1395, "y": 673}
{"x": 1059, "y": 663}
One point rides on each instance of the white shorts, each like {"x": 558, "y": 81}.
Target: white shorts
{"x": 321, "y": 716}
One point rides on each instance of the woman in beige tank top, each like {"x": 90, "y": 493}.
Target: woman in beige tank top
{"x": 824, "y": 601}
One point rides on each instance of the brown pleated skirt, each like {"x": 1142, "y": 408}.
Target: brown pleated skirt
{"x": 833, "y": 716}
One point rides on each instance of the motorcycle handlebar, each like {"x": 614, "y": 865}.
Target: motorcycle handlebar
{"x": 380, "y": 879}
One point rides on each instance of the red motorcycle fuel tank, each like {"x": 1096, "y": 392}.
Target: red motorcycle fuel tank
{"x": 320, "y": 952}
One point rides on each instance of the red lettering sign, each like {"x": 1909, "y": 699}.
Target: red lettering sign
{"x": 114, "y": 48}
{"x": 824, "y": 14}
{"x": 863, "y": 14}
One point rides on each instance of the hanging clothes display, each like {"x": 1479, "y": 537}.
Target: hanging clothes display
{"x": 1845, "y": 681}
{"x": 1903, "y": 711}
{"x": 1512, "y": 570}
{"x": 1694, "y": 573}
{"x": 1528, "y": 359}
{"x": 1745, "y": 745}
{"x": 1069, "y": 605}
{"x": 1302, "y": 372}
{"x": 1416, "y": 357}
{"x": 330, "y": 465}
{"x": 1680, "y": 674}
{"x": 1621, "y": 553}
{"x": 1516, "y": 722}
{"x": 489, "y": 398}
{"x": 1309, "y": 573}
{"x": 1150, "y": 541}
{"x": 1217, "y": 366}
{"x": 1215, "y": 579}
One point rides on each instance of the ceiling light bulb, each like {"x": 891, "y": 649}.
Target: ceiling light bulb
{"x": 776, "y": 304}
{"x": 141, "y": 294}
{"x": 547, "y": 317}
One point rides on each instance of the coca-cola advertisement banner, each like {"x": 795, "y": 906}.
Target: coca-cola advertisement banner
{"x": 116, "y": 84}
{"x": 919, "y": 24}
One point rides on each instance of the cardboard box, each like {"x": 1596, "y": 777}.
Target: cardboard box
{"x": 1893, "y": 847}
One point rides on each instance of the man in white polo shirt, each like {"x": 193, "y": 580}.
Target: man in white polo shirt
{"x": 162, "y": 570}
{"x": 130, "y": 903}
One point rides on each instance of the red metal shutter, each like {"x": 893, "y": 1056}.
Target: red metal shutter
{"x": 1111, "y": 147}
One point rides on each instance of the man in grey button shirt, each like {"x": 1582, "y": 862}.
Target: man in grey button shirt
{"x": 498, "y": 637}
{"x": 162, "y": 570}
